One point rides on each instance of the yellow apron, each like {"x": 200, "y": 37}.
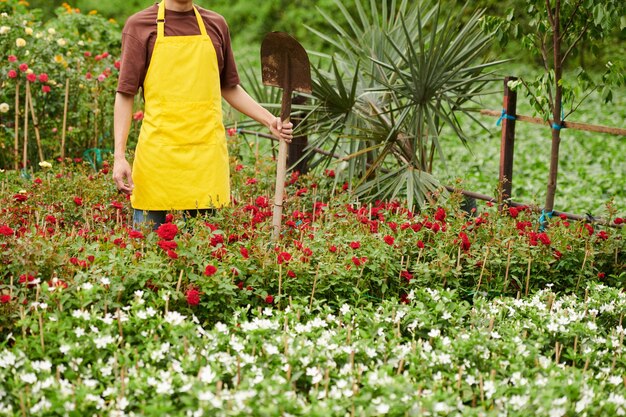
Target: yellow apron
{"x": 181, "y": 161}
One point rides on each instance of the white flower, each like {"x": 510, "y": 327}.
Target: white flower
{"x": 104, "y": 341}
{"x": 105, "y": 281}
{"x": 20, "y": 42}
{"x": 51, "y": 31}
{"x": 174, "y": 318}
{"x": 28, "y": 31}
{"x": 434, "y": 333}
{"x": 61, "y": 42}
{"x": 344, "y": 309}
{"x": 7, "y": 359}
{"x": 206, "y": 375}
{"x": 87, "y": 286}
{"x": 64, "y": 349}
{"x": 615, "y": 380}
{"x": 4, "y": 107}
{"x": 79, "y": 332}
{"x": 4, "y": 30}
{"x": 45, "y": 164}
{"x": 382, "y": 408}
{"x": 29, "y": 378}
{"x": 41, "y": 366}
{"x": 80, "y": 314}
{"x": 557, "y": 412}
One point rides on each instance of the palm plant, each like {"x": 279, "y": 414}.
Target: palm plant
{"x": 401, "y": 72}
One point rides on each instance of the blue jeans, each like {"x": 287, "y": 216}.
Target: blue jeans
{"x": 157, "y": 217}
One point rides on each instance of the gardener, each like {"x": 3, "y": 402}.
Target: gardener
{"x": 180, "y": 55}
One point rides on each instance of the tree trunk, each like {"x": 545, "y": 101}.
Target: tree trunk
{"x": 556, "y": 106}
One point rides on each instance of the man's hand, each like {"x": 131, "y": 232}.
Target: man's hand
{"x": 281, "y": 130}
{"x": 122, "y": 175}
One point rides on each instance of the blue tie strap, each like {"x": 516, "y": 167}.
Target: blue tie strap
{"x": 504, "y": 116}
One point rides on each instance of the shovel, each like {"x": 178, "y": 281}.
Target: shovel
{"x": 285, "y": 64}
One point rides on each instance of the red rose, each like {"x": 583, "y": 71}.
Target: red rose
{"x": 283, "y": 257}
{"x": 210, "y": 270}
{"x": 244, "y": 252}
{"x": 269, "y": 299}
{"x": 12, "y": 74}
{"x": 389, "y": 240}
{"x": 172, "y": 254}
{"x": 43, "y": 77}
{"x": 5, "y": 298}
{"x": 465, "y": 242}
{"x": 601, "y": 275}
{"x": 23, "y": 67}
{"x": 329, "y": 173}
{"x": 193, "y": 297}
{"x": 31, "y": 77}
{"x": 291, "y": 274}
{"x": 6, "y": 230}
{"x": 420, "y": 244}
{"x": 544, "y": 238}
{"x": 618, "y": 220}
{"x": 169, "y": 217}
{"x": 167, "y": 245}
{"x": 20, "y": 197}
{"x": 262, "y": 202}
{"x": 513, "y": 212}
{"x": 167, "y": 231}
{"x": 355, "y": 245}
{"x": 440, "y": 214}
{"x": 136, "y": 234}
{"x": 333, "y": 248}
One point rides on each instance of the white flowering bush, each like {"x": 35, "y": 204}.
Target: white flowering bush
{"x": 547, "y": 355}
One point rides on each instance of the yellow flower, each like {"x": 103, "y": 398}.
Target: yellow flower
{"x": 45, "y": 164}
{"x": 58, "y": 59}
{"x": 20, "y": 43}
{"x": 92, "y": 12}
{"x": 23, "y": 3}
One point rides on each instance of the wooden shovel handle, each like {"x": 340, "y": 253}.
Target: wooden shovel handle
{"x": 281, "y": 168}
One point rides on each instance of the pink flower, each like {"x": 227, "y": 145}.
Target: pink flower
{"x": 232, "y": 131}
{"x": 31, "y": 77}
{"x": 12, "y": 74}
{"x": 87, "y": 54}
{"x": 23, "y": 67}
{"x": 43, "y": 77}
{"x": 102, "y": 77}
{"x": 88, "y": 76}
{"x": 12, "y": 58}
{"x": 45, "y": 89}
{"x": 138, "y": 116}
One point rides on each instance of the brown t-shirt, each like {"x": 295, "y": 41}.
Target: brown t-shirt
{"x": 140, "y": 33}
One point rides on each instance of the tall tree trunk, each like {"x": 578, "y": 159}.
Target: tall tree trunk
{"x": 556, "y": 105}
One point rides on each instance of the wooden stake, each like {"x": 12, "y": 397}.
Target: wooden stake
{"x": 43, "y": 347}
{"x": 16, "y": 142}
{"x": 180, "y": 279}
{"x": 482, "y": 269}
{"x": 530, "y": 261}
{"x": 508, "y": 266}
{"x": 314, "y": 283}
{"x": 25, "y": 147}
{"x": 35, "y": 125}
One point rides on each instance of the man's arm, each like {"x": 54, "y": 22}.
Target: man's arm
{"x": 122, "y": 116}
{"x": 242, "y": 102}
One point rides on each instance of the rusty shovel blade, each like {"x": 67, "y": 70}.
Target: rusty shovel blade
{"x": 285, "y": 63}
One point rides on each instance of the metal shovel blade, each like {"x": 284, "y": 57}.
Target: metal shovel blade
{"x": 285, "y": 63}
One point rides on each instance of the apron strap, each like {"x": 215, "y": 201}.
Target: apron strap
{"x": 200, "y": 21}
{"x": 161, "y": 21}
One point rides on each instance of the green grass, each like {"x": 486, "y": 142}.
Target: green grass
{"x": 591, "y": 165}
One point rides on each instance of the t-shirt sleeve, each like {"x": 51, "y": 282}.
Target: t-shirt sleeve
{"x": 229, "y": 76}
{"x": 132, "y": 65}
